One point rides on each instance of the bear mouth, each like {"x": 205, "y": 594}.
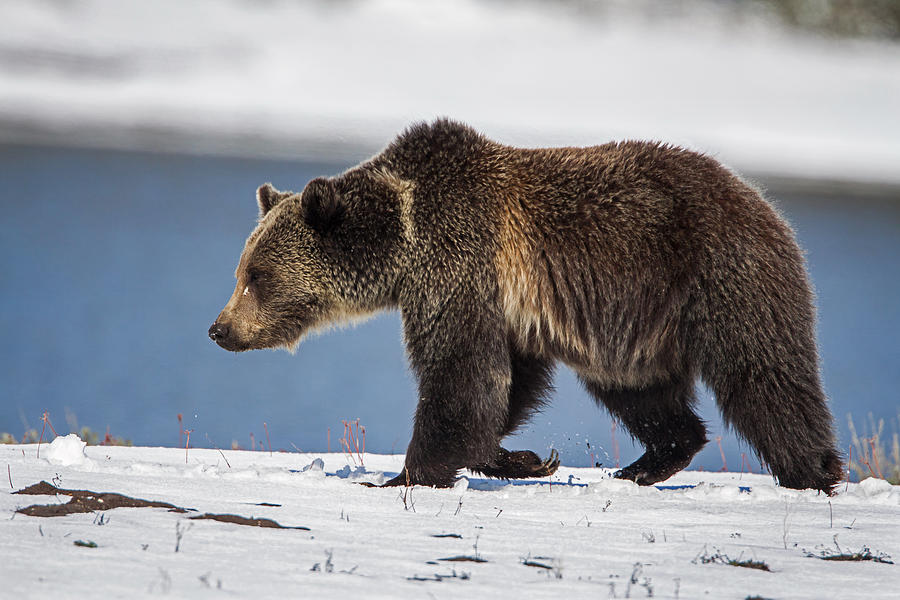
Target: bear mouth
{"x": 234, "y": 345}
{"x": 289, "y": 340}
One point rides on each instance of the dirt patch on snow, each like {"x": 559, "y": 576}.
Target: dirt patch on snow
{"x": 85, "y": 501}
{"x": 245, "y": 521}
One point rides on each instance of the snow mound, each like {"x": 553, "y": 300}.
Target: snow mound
{"x": 878, "y": 490}
{"x": 68, "y": 451}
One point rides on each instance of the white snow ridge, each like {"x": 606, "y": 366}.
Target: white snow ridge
{"x": 578, "y": 534}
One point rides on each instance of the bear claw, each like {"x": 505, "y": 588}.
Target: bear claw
{"x": 521, "y": 464}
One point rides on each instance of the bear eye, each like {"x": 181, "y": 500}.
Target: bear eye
{"x": 254, "y": 277}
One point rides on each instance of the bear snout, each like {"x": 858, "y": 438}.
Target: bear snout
{"x": 218, "y": 332}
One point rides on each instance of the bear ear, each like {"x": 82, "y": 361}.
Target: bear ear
{"x": 267, "y": 197}
{"x": 322, "y": 205}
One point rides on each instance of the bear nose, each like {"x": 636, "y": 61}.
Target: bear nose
{"x": 218, "y": 331}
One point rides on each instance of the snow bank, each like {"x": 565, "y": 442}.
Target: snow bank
{"x": 578, "y": 533}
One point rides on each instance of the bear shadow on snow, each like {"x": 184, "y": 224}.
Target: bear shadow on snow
{"x": 639, "y": 265}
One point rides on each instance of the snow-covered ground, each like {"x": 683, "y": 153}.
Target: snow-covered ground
{"x": 316, "y": 79}
{"x": 593, "y": 537}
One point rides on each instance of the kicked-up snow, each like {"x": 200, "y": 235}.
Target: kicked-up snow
{"x": 578, "y": 534}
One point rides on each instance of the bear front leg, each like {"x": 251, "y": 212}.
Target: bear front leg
{"x": 461, "y": 360}
{"x": 531, "y": 382}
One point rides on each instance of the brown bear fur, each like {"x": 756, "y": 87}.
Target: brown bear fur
{"x": 639, "y": 265}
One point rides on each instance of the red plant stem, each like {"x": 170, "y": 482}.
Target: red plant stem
{"x": 615, "y": 443}
{"x": 875, "y": 456}
{"x": 353, "y": 442}
{"x": 345, "y": 441}
{"x": 9, "y": 474}
{"x": 722, "y": 452}
{"x": 252, "y": 441}
{"x": 46, "y": 419}
{"x": 329, "y": 440}
{"x": 865, "y": 460}
{"x": 266, "y": 427}
{"x": 187, "y": 444}
{"x": 41, "y": 439}
{"x": 180, "y": 429}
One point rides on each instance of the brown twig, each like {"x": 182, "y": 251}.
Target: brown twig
{"x": 41, "y": 439}
{"x": 356, "y": 442}
{"x": 45, "y": 418}
{"x": 351, "y": 441}
{"x": 266, "y": 427}
{"x": 865, "y": 460}
{"x": 187, "y": 444}
{"x": 849, "y": 462}
{"x": 220, "y": 451}
{"x": 180, "y": 429}
{"x": 344, "y": 442}
{"x": 872, "y": 441}
{"x": 615, "y": 443}
{"x": 9, "y": 473}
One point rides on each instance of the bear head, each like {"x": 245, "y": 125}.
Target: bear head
{"x": 325, "y": 256}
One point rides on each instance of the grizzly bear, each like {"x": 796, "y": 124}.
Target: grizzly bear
{"x": 639, "y": 265}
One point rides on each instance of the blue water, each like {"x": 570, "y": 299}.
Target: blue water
{"x": 114, "y": 265}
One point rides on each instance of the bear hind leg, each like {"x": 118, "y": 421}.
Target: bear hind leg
{"x": 782, "y": 413}
{"x": 662, "y": 418}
